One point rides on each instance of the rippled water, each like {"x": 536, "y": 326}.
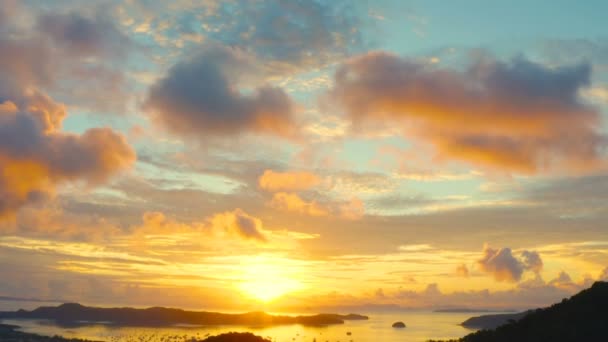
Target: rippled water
{"x": 421, "y": 326}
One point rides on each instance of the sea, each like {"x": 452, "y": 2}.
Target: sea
{"x": 420, "y": 326}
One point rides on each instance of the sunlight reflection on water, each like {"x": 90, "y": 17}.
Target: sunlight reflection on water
{"x": 421, "y": 326}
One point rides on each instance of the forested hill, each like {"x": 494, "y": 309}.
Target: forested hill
{"x": 581, "y": 318}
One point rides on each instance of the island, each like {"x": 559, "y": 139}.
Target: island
{"x": 472, "y": 310}
{"x": 399, "y": 325}
{"x": 236, "y": 337}
{"x": 492, "y": 321}
{"x": 72, "y": 314}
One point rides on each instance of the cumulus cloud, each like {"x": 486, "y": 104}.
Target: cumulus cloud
{"x": 287, "y": 181}
{"x": 35, "y": 157}
{"x": 240, "y": 223}
{"x": 604, "y": 275}
{"x": 47, "y": 113}
{"x": 462, "y": 271}
{"x": 532, "y": 261}
{"x": 518, "y": 116}
{"x": 199, "y": 97}
{"x": 504, "y": 266}
{"x": 562, "y": 279}
{"x": 501, "y": 264}
{"x": 565, "y": 282}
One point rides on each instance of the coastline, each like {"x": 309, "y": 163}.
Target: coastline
{"x": 10, "y": 333}
{"x": 73, "y": 314}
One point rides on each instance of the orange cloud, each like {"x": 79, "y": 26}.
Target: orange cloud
{"x": 462, "y": 271}
{"x": 517, "y": 116}
{"x": 350, "y": 210}
{"x": 52, "y": 221}
{"x": 563, "y": 281}
{"x": 293, "y": 202}
{"x": 35, "y": 157}
{"x": 239, "y": 223}
{"x": 287, "y": 181}
{"x": 235, "y": 223}
{"x": 285, "y": 184}
{"x": 49, "y": 113}
{"x": 156, "y": 222}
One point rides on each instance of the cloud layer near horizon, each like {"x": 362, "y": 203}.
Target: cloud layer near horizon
{"x": 518, "y": 116}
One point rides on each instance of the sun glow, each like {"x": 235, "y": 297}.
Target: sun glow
{"x": 266, "y": 279}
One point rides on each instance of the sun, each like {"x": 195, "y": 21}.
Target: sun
{"x": 266, "y": 280}
{"x": 268, "y": 290}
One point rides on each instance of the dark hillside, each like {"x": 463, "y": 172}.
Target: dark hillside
{"x": 582, "y": 317}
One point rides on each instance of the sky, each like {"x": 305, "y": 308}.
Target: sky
{"x": 303, "y": 155}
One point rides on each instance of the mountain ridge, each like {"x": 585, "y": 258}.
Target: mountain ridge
{"x": 77, "y": 314}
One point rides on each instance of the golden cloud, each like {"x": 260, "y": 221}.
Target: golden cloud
{"x": 287, "y": 181}
{"x": 35, "y": 157}
{"x": 517, "y": 116}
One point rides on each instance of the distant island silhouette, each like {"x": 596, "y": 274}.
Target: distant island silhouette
{"x": 72, "y": 314}
{"x": 582, "y": 317}
{"x": 492, "y": 321}
{"x": 470, "y": 310}
{"x": 236, "y": 337}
